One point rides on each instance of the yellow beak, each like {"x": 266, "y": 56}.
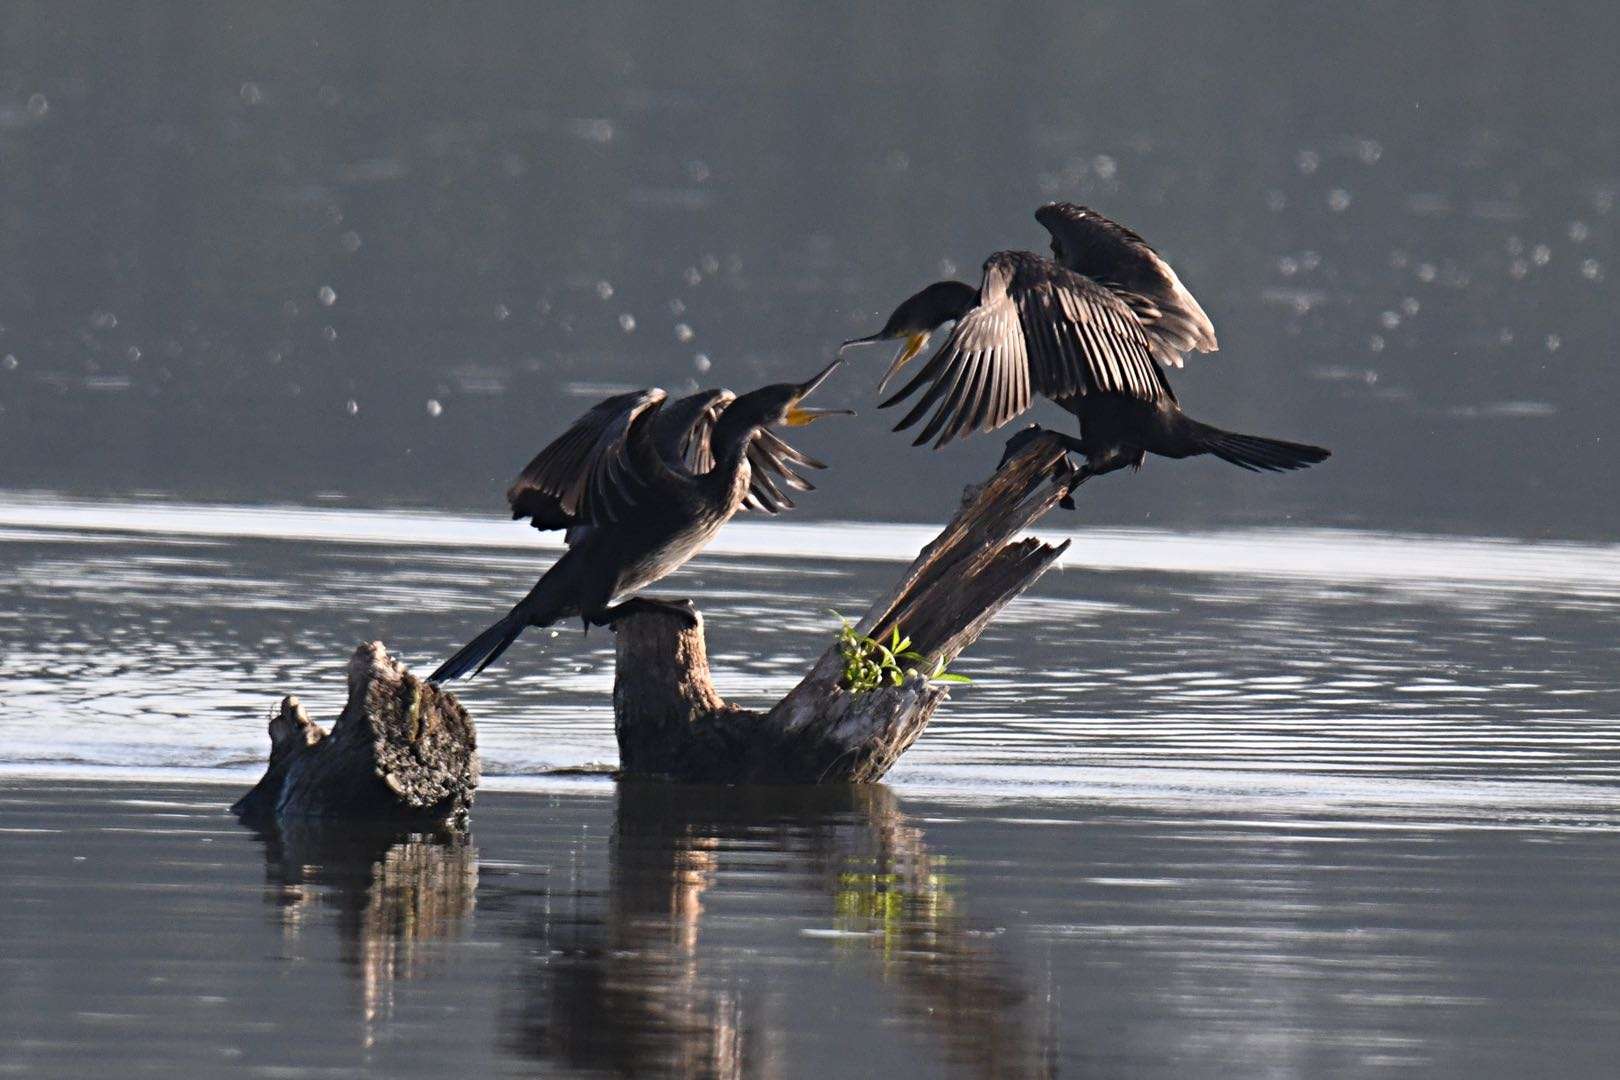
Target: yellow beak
{"x": 908, "y": 352}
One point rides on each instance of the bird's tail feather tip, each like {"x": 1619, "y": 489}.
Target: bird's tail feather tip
{"x": 478, "y": 653}
{"x": 1259, "y": 454}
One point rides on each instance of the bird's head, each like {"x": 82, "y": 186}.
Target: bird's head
{"x": 915, "y": 319}
{"x": 781, "y": 403}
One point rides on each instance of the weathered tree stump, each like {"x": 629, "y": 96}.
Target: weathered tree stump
{"x": 672, "y": 723}
{"x": 402, "y": 750}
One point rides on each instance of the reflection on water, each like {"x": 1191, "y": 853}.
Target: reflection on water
{"x": 396, "y": 895}
{"x": 620, "y": 983}
{"x": 774, "y": 932}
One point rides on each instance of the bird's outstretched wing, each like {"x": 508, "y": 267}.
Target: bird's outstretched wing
{"x": 772, "y": 464}
{"x": 595, "y": 471}
{"x": 1037, "y": 328}
{"x": 1120, "y": 260}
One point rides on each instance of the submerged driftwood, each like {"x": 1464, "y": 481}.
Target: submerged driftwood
{"x": 672, "y": 723}
{"x": 402, "y": 750}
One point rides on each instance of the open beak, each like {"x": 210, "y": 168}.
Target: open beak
{"x": 915, "y": 343}
{"x": 798, "y": 416}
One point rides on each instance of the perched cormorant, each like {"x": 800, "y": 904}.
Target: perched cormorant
{"x": 641, "y": 487}
{"x": 1091, "y": 330}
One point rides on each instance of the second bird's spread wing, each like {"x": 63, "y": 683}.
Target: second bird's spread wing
{"x": 1037, "y": 328}
{"x": 1123, "y": 262}
{"x": 593, "y": 473}
{"x": 771, "y": 461}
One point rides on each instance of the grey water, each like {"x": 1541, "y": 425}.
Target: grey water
{"x": 1293, "y": 776}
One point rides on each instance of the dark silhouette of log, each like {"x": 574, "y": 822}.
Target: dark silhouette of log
{"x": 402, "y": 750}
{"x": 672, "y": 723}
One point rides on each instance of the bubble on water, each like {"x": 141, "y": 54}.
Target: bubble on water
{"x": 1410, "y": 306}
{"x": 1288, "y": 266}
{"x": 103, "y": 320}
{"x": 702, "y": 362}
{"x": 251, "y": 93}
{"x": 38, "y": 105}
{"x": 1308, "y": 161}
{"x": 1369, "y": 151}
{"x": 1376, "y": 343}
{"x": 710, "y": 264}
{"x": 502, "y": 313}
{"x": 683, "y": 333}
{"x": 1578, "y": 231}
{"x": 1276, "y": 201}
{"x": 9, "y": 362}
{"x": 1554, "y": 342}
{"x": 329, "y": 333}
{"x": 1427, "y": 272}
{"x": 1104, "y": 166}
{"x": 350, "y": 241}
{"x": 692, "y": 276}
{"x": 352, "y": 407}
{"x": 604, "y": 290}
{"x": 1541, "y": 254}
{"x": 326, "y": 295}
{"x": 434, "y": 408}
{"x": 1518, "y": 269}
{"x": 1591, "y": 270}
{"x": 1338, "y": 200}
{"x": 627, "y": 323}
{"x": 677, "y": 307}
{"x": 1389, "y": 320}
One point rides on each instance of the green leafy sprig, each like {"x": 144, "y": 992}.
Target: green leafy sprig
{"x": 870, "y": 663}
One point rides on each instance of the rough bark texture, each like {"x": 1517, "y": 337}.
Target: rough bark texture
{"x": 402, "y": 750}
{"x": 672, "y": 723}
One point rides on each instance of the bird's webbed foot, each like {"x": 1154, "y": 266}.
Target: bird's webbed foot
{"x": 682, "y": 609}
{"x": 1075, "y": 478}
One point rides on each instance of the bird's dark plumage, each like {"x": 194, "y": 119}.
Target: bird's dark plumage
{"x": 622, "y": 481}
{"x": 1091, "y": 331}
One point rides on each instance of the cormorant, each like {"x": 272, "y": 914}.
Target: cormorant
{"x": 642, "y": 487}
{"x": 1092, "y": 331}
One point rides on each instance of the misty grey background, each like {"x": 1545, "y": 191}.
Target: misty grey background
{"x": 1400, "y": 217}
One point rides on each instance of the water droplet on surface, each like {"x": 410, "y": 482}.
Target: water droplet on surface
{"x": 326, "y": 295}
{"x": 604, "y": 290}
{"x": 1554, "y": 342}
{"x": 103, "y": 320}
{"x": 1398, "y": 259}
{"x": 434, "y": 408}
{"x": 1104, "y": 166}
{"x": 1517, "y": 269}
{"x": 1578, "y": 231}
{"x": 1504, "y": 336}
{"x": 1376, "y": 343}
{"x": 502, "y": 313}
{"x": 38, "y": 105}
{"x": 1541, "y": 255}
{"x": 1591, "y": 270}
{"x": 1427, "y": 272}
{"x": 692, "y": 276}
{"x": 683, "y": 333}
{"x": 1410, "y": 306}
{"x": 1288, "y": 266}
{"x": 677, "y": 307}
{"x": 352, "y": 407}
{"x": 350, "y": 241}
{"x": 1310, "y": 260}
{"x": 251, "y": 93}
{"x": 133, "y": 352}
{"x": 9, "y": 363}
{"x": 710, "y": 264}
{"x": 329, "y": 333}
{"x": 1389, "y": 320}
{"x": 1369, "y": 151}
{"x": 1338, "y": 200}
{"x": 702, "y": 362}
{"x": 1308, "y": 161}
{"x": 627, "y": 323}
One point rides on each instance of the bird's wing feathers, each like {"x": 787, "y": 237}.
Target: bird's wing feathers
{"x": 593, "y": 471}
{"x": 1120, "y": 260}
{"x": 1037, "y": 328}
{"x": 772, "y": 461}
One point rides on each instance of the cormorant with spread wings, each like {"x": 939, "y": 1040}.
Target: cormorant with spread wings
{"x": 1092, "y": 330}
{"x": 641, "y": 486}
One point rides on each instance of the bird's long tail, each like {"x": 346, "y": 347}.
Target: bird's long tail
{"x": 1254, "y": 453}
{"x": 482, "y": 650}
